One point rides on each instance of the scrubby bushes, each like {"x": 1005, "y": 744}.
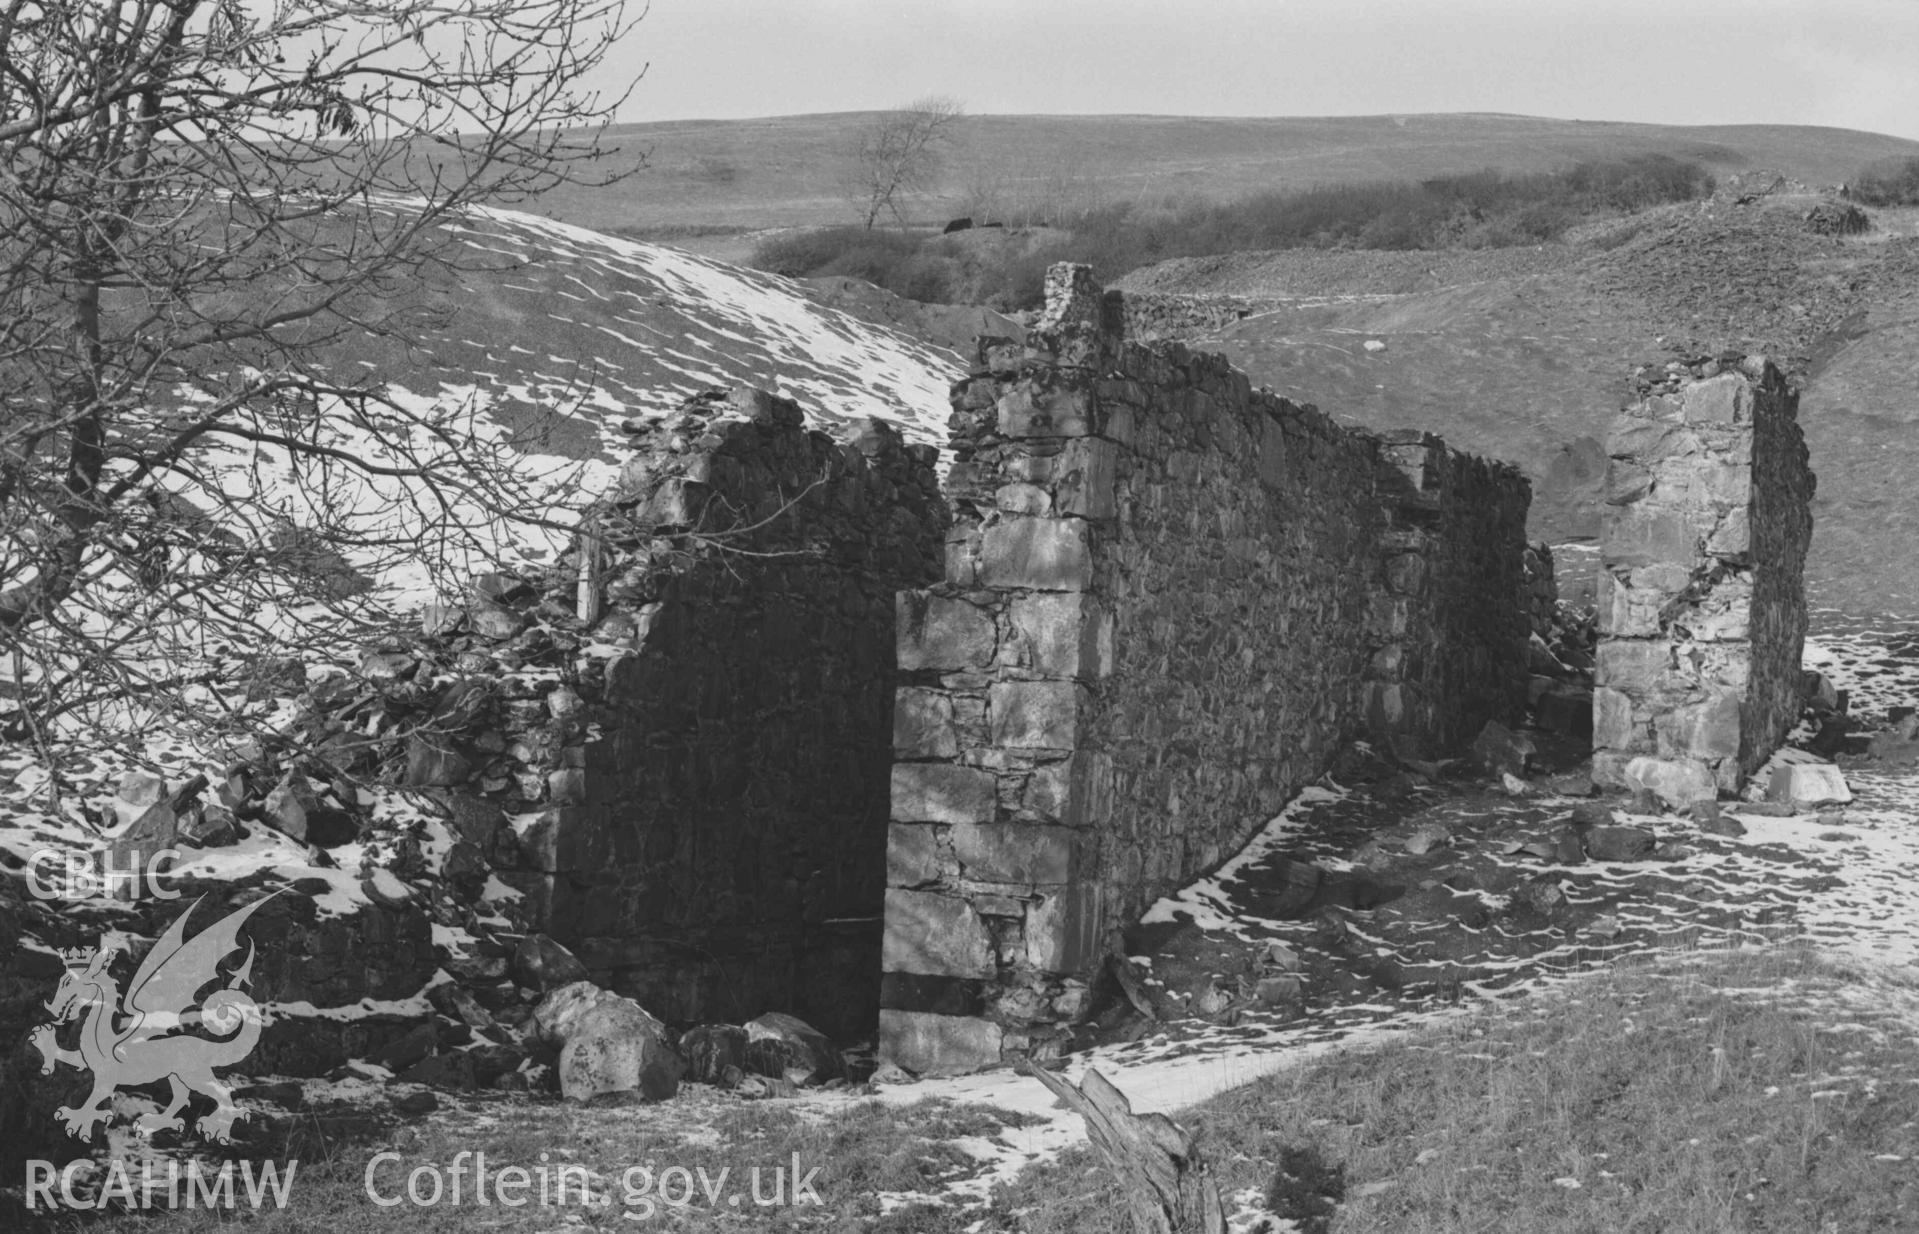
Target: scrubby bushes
{"x": 1893, "y": 182}
{"x": 894, "y": 260}
{"x": 798, "y": 254}
{"x": 1484, "y": 209}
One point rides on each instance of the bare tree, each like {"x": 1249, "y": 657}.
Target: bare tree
{"x": 201, "y": 203}
{"x": 899, "y": 153}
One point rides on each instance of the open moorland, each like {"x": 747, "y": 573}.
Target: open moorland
{"x": 785, "y": 171}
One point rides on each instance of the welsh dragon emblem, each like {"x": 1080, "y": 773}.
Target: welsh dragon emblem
{"x": 149, "y": 1035}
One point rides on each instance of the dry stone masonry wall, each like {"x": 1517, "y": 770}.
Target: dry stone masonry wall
{"x": 1702, "y": 613}
{"x": 1167, "y": 599}
{"x": 719, "y": 852}
{"x": 675, "y": 746}
{"x": 1161, "y": 317}
{"x": 1455, "y": 597}
{"x": 1542, "y": 589}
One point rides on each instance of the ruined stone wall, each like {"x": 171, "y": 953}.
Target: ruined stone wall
{"x": 1453, "y": 601}
{"x": 1780, "y": 523}
{"x": 1160, "y": 317}
{"x": 696, "y": 802}
{"x": 1702, "y": 610}
{"x": 1542, "y": 589}
{"x": 1168, "y": 598}
{"x": 741, "y": 782}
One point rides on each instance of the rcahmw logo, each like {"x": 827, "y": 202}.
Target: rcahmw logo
{"x": 192, "y": 1185}
{"x": 152, "y": 1032}
{"x": 61, "y": 874}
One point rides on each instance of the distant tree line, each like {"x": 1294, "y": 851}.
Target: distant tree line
{"x": 1484, "y": 209}
{"x": 1892, "y": 182}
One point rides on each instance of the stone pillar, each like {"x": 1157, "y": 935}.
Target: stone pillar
{"x": 1702, "y": 614}
{"x": 1408, "y": 497}
{"x": 991, "y": 903}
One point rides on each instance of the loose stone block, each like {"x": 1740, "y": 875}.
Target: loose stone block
{"x": 435, "y": 761}
{"x": 1677, "y": 783}
{"x": 943, "y": 793}
{"x": 1809, "y": 785}
{"x": 934, "y": 933}
{"x": 928, "y": 1044}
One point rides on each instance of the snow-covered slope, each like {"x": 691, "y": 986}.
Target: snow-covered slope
{"x": 542, "y": 340}
{"x": 546, "y": 338}
{"x": 635, "y": 328}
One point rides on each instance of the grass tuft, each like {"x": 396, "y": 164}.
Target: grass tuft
{"x": 1305, "y": 1189}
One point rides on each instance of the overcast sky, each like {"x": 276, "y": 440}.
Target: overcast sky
{"x": 1849, "y": 63}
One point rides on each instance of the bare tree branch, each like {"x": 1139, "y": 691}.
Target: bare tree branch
{"x": 201, "y": 201}
{"x": 899, "y": 154}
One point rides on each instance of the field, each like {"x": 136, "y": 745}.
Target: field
{"x": 720, "y": 177}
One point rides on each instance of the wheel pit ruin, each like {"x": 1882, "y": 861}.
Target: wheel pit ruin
{"x": 793, "y": 726}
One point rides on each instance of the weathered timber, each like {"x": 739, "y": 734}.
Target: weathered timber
{"x": 1168, "y": 1189}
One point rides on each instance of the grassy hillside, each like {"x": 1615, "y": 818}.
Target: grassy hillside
{"x": 783, "y": 171}
{"x": 1526, "y": 356}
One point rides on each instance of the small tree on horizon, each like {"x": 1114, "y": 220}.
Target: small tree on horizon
{"x": 899, "y": 153}
{"x": 203, "y": 203}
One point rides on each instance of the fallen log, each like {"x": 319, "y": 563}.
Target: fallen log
{"x": 1168, "y": 1189}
